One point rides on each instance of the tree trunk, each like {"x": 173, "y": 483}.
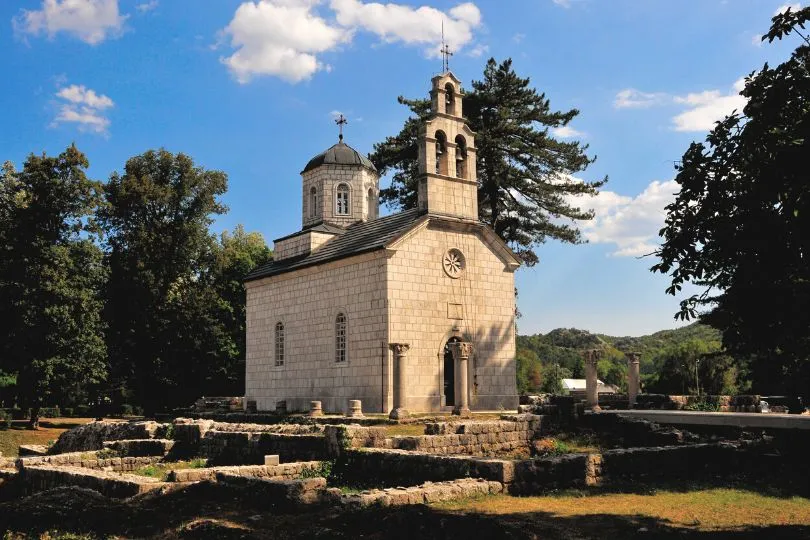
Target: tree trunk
{"x": 33, "y": 423}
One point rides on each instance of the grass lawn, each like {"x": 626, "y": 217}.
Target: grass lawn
{"x": 49, "y": 430}
{"x": 714, "y": 509}
{"x": 161, "y": 470}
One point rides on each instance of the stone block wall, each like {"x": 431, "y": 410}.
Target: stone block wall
{"x": 140, "y": 447}
{"x": 427, "y": 493}
{"x": 275, "y": 492}
{"x": 113, "y": 485}
{"x": 249, "y": 448}
{"x": 92, "y": 436}
{"x": 421, "y": 295}
{"x": 284, "y": 471}
{"x": 89, "y": 461}
{"x": 389, "y": 467}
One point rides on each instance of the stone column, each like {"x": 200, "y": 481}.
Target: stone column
{"x": 591, "y": 384}
{"x": 633, "y": 378}
{"x": 355, "y": 409}
{"x": 400, "y": 353}
{"x": 315, "y": 408}
{"x": 461, "y": 354}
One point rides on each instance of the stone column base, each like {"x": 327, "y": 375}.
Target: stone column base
{"x": 399, "y": 413}
{"x": 463, "y": 412}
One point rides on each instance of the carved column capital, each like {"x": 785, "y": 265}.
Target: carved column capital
{"x": 461, "y": 350}
{"x": 400, "y": 349}
{"x": 633, "y": 357}
{"x": 592, "y": 356}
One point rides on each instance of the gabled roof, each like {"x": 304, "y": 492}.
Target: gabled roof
{"x": 322, "y": 227}
{"x": 356, "y": 239}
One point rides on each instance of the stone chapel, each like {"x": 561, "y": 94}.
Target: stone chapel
{"x": 414, "y": 311}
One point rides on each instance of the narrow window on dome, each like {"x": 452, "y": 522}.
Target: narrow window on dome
{"x": 313, "y": 202}
{"x": 342, "y": 200}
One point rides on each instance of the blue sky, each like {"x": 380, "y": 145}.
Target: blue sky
{"x": 251, "y": 87}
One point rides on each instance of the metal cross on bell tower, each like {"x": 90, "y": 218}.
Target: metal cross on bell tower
{"x": 341, "y": 121}
{"x": 445, "y": 52}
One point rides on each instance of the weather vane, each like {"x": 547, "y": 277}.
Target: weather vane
{"x": 341, "y": 121}
{"x": 445, "y": 52}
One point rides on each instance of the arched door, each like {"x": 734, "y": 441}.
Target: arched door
{"x": 449, "y": 373}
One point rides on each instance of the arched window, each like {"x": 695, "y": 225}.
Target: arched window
{"x": 441, "y": 153}
{"x": 461, "y": 157}
{"x": 372, "y": 204}
{"x": 449, "y": 99}
{"x": 313, "y": 202}
{"x": 340, "y": 338}
{"x": 342, "y": 200}
{"x": 279, "y": 344}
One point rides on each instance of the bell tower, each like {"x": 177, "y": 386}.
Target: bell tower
{"x": 447, "y": 175}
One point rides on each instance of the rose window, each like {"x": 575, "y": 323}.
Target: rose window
{"x": 453, "y": 263}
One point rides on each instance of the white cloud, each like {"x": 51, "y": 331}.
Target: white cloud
{"x": 566, "y": 132}
{"x": 708, "y": 107}
{"x": 796, "y": 6}
{"x": 563, "y": 3}
{"x": 517, "y": 38}
{"x": 84, "y": 107}
{"x": 630, "y": 98}
{"x": 478, "y": 50}
{"x": 147, "y": 6}
{"x": 630, "y": 223}
{"x": 397, "y": 23}
{"x": 281, "y": 38}
{"x": 92, "y": 21}
{"x": 756, "y": 40}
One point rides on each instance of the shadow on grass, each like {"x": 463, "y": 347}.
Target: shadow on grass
{"x": 214, "y": 511}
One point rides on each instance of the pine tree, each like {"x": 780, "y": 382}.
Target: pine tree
{"x": 525, "y": 183}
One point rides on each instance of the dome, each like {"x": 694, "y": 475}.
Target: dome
{"x": 340, "y": 154}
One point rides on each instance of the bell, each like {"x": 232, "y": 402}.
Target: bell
{"x": 439, "y": 150}
{"x": 459, "y": 156}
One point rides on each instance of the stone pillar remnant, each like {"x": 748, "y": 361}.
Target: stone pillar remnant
{"x": 315, "y": 408}
{"x": 633, "y": 377}
{"x": 355, "y": 409}
{"x": 591, "y": 383}
{"x": 461, "y": 351}
{"x": 400, "y": 354}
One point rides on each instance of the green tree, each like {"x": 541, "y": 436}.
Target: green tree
{"x": 738, "y": 227}
{"x": 164, "y": 330}
{"x": 552, "y": 379}
{"x": 236, "y": 255}
{"x": 524, "y": 174}
{"x": 51, "y": 276}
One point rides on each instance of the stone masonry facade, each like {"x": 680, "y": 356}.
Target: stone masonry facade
{"x": 438, "y": 276}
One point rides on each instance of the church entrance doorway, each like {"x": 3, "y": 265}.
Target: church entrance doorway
{"x": 449, "y": 374}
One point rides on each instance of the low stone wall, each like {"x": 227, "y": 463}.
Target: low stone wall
{"x": 245, "y": 448}
{"x": 445, "y": 438}
{"x": 391, "y": 467}
{"x": 284, "y": 471}
{"x": 189, "y": 433}
{"x": 741, "y": 403}
{"x": 140, "y": 447}
{"x": 426, "y": 493}
{"x": 279, "y": 419}
{"x": 88, "y": 460}
{"x": 113, "y": 485}
{"x": 622, "y": 465}
{"x": 92, "y": 436}
{"x": 274, "y": 492}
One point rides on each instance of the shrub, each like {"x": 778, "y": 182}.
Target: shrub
{"x": 137, "y": 410}
{"x": 67, "y": 411}
{"x": 703, "y": 405}
{"x": 126, "y": 409}
{"x": 5, "y": 419}
{"x": 82, "y": 411}
{"x": 49, "y": 412}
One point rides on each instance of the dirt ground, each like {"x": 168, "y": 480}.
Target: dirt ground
{"x": 49, "y": 430}
{"x": 213, "y": 511}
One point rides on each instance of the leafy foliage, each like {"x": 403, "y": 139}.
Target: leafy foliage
{"x": 51, "y": 274}
{"x": 738, "y": 225}
{"x": 524, "y": 175}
